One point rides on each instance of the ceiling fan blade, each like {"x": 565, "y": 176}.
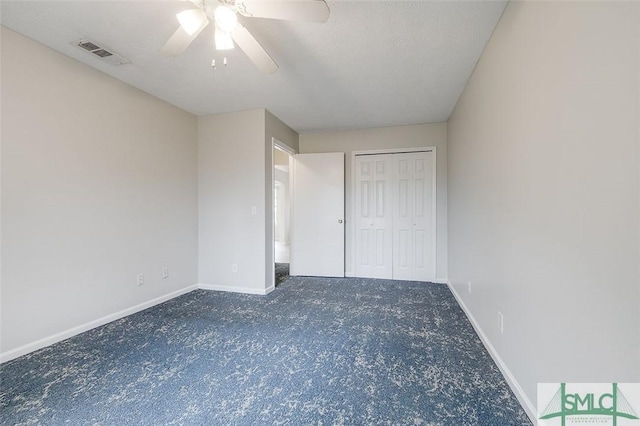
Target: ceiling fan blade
{"x": 290, "y": 10}
{"x": 179, "y": 41}
{"x": 254, "y": 50}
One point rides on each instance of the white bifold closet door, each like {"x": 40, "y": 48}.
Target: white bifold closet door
{"x": 373, "y": 216}
{"x": 413, "y": 218}
{"x": 395, "y": 226}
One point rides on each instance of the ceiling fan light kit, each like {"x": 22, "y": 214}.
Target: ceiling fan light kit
{"x": 228, "y": 30}
{"x": 222, "y": 39}
{"x": 192, "y": 20}
{"x": 226, "y": 19}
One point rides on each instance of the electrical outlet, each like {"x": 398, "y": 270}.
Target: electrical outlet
{"x": 140, "y": 279}
{"x": 234, "y": 268}
{"x": 469, "y": 286}
{"x": 165, "y": 273}
{"x": 500, "y": 322}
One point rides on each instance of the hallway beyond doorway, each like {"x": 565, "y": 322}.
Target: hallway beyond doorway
{"x": 282, "y": 252}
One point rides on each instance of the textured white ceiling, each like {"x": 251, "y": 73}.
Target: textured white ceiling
{"x": 373, "y": 64}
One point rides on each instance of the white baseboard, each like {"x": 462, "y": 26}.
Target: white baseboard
{"x": 58, "y": 337}
{"x": 526, "y": 403}
{"x": 233, "y": 289}
{"x": 30, "y": 347}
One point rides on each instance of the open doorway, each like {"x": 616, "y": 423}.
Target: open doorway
{"x": 282, "y": 162}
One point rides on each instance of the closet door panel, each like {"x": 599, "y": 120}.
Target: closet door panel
{"x": 403, "y": 245}
{"x": 413, "y": 246}
{"x": 423, "y": 217}
{"x": 373, "y": 217}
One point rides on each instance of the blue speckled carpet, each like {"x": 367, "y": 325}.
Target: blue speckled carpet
{"x": 315, "y": 351}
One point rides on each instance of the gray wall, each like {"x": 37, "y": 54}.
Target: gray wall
{"x": 235, "y": 174}
{"x": 98, "y": 184}
{"x": 544, "y": 192}
{"x": 388, "y": 138}
{"x": 231, "y": 172}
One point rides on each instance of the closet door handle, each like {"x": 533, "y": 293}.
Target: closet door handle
{"x": 339, "y": 220}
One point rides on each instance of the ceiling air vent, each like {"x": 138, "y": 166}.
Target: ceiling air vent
{"x": 101, "y": 52}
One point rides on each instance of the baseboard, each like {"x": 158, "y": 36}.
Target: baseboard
{"x": 349, "y": 274}
{"x": 58, "y": 337}
{"x": 526, "y": 403}
{"x": 233, "y": 289}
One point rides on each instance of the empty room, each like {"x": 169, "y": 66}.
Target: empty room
{"x": 336, "y": 212}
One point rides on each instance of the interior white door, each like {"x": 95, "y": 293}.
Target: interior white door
{"x": 373, "y": 216}
{"x": 413, "y": 217}
{"x": 317, "y": 225}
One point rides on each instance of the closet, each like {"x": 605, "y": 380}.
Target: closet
{"x": 395, "y": 215}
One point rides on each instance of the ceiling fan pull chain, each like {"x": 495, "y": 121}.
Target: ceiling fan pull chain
{"x": 213, "y": 62}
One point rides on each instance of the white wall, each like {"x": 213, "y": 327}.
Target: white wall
{"x": 281, "y": 158}
{"x": 98, "y": 184}
{"x": 388, "y": 138}
{"x": 235, "y": 173}
{"x": 231, "y": 180}
{"x": 282, "y": 230}
{"x": 544, "y": 192}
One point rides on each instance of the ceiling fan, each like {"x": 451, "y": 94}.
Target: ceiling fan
{"x": 228, "y": 29}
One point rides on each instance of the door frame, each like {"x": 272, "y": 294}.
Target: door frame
{"x": 353, "y": 201}
{"x": 276, "y": 143}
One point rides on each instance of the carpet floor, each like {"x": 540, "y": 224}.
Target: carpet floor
{"x": 314, "y": 351}
{"x": 282, "y": 272}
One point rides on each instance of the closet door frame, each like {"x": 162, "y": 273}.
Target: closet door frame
{"x": 352, "y": 201}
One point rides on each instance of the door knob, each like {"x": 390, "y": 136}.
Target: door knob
{"x": 339, "y": 220}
